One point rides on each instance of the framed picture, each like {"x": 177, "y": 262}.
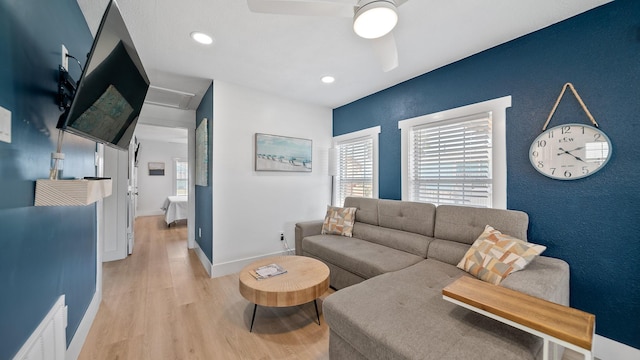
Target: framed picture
{"x": 156, "y": 169}
{"x": 281, "y": 153}
{"x": 202, "y": 153}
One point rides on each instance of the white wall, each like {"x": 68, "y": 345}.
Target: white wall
{"x": 153, "y": 190}
{"x": 251, "y": 208}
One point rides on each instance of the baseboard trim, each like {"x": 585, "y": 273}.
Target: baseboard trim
{"x": 231, "y": 267}
{"x": 73, "y": 351}
{"x": 149, "y": 212}
{"x": 203, "y": 258}
{"x": 607, "y": 349}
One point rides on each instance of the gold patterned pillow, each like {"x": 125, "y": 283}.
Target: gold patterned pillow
{"x": 339, "y": 221}
{"x": 495, "y": 255}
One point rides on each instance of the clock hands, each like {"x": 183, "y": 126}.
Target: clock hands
{"x": 569, "y": 153}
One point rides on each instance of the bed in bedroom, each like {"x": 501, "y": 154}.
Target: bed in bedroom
{"x": 175, "y": 208}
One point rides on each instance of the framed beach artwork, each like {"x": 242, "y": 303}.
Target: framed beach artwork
{"x": 202, "y": 154}
{"x": 282, "y": 153}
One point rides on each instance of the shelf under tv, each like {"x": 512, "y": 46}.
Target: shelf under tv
{"x": 71, "y": 192}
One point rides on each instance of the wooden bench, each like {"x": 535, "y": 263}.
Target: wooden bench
{"x": 553, "y": 322}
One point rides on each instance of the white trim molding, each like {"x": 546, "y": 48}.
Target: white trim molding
{"x": 203, "y": 258}
{"x": 232, "y": 267}
{"x": 77, "y": 342}
{"x": 374, "y": 134}
{"x": 372, "y": 131}
{"x": 498, "y": 109}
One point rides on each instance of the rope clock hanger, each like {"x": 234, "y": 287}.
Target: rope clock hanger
{"x": 570, "y": 151}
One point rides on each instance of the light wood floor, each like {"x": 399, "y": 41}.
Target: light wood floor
{"x": 159, "y": 303}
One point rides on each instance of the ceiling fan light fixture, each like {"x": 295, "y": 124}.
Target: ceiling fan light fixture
{"x": 375, "y": 18}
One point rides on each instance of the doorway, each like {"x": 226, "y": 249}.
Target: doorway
{"x": 143, "y": 179}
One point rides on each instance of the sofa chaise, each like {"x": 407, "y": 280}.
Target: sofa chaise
{"x": 391, "y": 272}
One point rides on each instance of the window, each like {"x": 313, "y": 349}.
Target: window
{"x": 457, "y": 156}
{"x": 181, "y": 177}
{"x": 450, "y": 162}
{"x": 357, "y": 165}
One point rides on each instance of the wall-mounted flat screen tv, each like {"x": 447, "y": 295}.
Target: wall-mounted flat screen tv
{"x": 112, "y": 88}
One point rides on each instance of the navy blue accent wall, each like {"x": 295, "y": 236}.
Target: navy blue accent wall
{"x": 46, "y": 251}
{"x": 204, "y": 199}
{"x": 592, "y": 223}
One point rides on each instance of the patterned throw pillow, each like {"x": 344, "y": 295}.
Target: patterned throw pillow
{"x": 339, "y": 221}
{"x": 495, "y": 255}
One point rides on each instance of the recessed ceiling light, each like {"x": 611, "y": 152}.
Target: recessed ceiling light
{"x": 328, "y": 79}
{"x": 202, "y": 38}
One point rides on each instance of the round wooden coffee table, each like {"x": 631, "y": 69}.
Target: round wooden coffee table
{"x": 305, "y": 280}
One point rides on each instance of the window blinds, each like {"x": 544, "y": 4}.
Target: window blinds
{"x": 450, "y": 162}
{"x": 182, "y": 177}
{"x": 355, "y": 169}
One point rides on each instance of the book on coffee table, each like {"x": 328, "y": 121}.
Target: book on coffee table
{"x": 267, "y": 271}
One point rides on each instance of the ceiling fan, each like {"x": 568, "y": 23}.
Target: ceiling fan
{"x": 372, "y": 19}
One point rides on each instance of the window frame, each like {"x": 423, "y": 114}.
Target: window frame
{"x": 497, "y": 108}
{"x": 372, "y": 133}
{"x": 175, "y": 175}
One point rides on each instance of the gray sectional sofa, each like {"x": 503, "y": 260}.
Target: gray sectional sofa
{"x": 390, "y": 276}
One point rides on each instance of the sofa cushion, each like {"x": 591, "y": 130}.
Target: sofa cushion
{"x": 464, "y": 224}
{"x": 494, "y": 255}
{"x": 449, "y": 252}
{"x": 367, "y": 209}
{"x": 402, "y": 315}
{"x": 408, "y": 216}
{"x": 545, "y": 277}
{"x": 339, "y": 221}
{"x": 360, "y": 257}
{"x": 400, "y": 240}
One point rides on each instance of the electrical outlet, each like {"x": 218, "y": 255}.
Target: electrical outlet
{"x": 65, "y": 60}
{"x": 281, "y": 235}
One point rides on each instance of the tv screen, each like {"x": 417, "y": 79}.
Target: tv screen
{"x": 112, "y": 88}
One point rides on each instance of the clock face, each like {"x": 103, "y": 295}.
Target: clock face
{"x": 570, "y": 151}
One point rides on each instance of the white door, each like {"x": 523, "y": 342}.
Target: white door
{"x": 132, "y": 196}
{"x": 115, "y": 206}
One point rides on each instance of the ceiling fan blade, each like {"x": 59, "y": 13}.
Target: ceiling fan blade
{"x": 309, "y": 8}
{"x": 386, "y": 50}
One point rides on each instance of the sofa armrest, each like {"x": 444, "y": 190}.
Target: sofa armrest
{"x": 545, "y": 277}
{"x": 304, "y": 229}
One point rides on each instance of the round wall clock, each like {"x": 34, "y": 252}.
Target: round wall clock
{"x": 570, "y": 151}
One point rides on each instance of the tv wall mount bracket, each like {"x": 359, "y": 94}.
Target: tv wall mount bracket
{"x": 66, "y": 89}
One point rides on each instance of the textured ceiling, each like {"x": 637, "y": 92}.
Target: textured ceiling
{"x": 287, "y": 55}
